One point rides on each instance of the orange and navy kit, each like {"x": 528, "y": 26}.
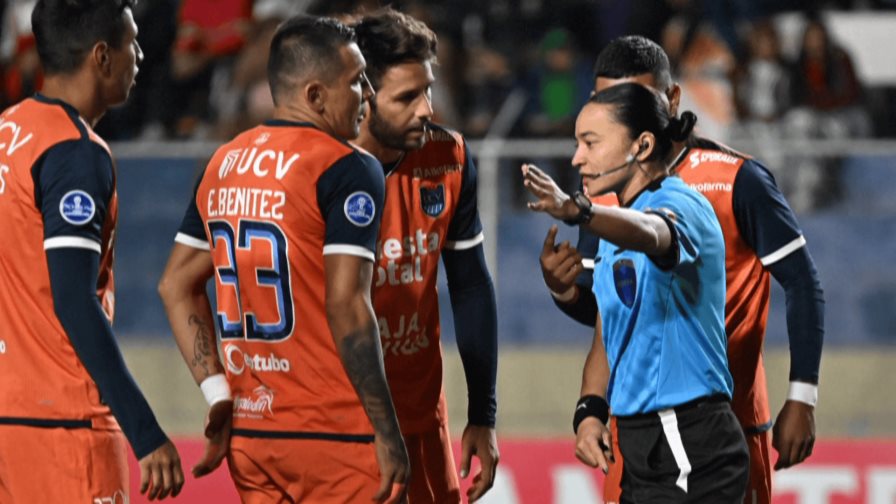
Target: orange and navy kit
{"x": 271, "y": 203}
{"x": 427, "y": 210}
{"x": 430, "y": 209}
{"x": 57, "y": 193}
{"x": 759, "y": 229}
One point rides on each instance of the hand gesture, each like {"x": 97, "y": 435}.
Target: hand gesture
{"x": 482, "y": 442}
{"x": 594, "y": 446}
{"x": 160, "y": 473}
{"x": 217, "y": 437}
{"x": 395, "y": 468}
{"x": 551, "y": 199}
{"x": 794, "y": 434}
{"x": 560, "y": 264}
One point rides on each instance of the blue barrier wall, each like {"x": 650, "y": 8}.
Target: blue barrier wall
{"x": 853, "y": 243}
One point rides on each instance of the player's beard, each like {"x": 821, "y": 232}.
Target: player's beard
{"x": 389, "y": 136}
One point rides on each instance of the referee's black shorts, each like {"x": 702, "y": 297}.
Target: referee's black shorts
{"x": 693, "y": 453}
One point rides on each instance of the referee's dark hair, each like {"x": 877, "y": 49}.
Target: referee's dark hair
{"x": 388, "y": 37}
{"x": 633, "y": 55}
{"x": 640, "y": 109}
{"x": 66, "y": 30}
{"x": 304, "y": 48}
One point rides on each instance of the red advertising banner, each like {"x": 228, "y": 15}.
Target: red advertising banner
{"x": 536, "y": 471}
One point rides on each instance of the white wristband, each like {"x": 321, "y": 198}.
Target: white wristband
{"x": 215, "y": 389}
{"x": 566, "y": 296}
{"x": 803, "y": 392}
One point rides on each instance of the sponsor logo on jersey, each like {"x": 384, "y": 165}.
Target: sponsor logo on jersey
{"x": 402, "y": 337}
{"x": 436, "y": 171}
{"x": 262, "y": 138}
{"x": 433, "y": 200}
{"x": 705, "y": 187}
{"x": 256, "y": 406}
{"x": 237, "y": 361}
{"x": 359, "y": 209}
{"x": 625, "y": 279}
{"x": 77, "y": 207}
{"x": 399, "y": 260}
{"x": 702, "y": 156}
{"x": 2, "y": 347}
{"x": 119, "y": 497}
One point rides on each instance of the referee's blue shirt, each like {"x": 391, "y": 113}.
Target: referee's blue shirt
{"x": 664, "y": 328}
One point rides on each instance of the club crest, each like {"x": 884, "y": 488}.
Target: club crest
{"x": 433, "y": 200}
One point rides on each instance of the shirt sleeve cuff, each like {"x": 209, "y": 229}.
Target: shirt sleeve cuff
{"x": 803, "y": 392}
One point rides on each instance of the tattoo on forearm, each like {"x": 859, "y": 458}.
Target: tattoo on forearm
{"x": 363, "y": 364}
{"x": 203, "y": 345}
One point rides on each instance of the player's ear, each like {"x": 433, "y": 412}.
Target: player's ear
{"x": 315, "y": 94}
{"x": 101, "y": 59}
{"x": 674, "y": 96}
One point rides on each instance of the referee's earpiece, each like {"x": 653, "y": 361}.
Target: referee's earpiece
{"x": 631, "y": 157}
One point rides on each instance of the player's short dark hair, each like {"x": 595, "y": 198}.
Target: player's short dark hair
{"x": 304, "y": 47}
{"x": 633, "y": 55}
{"x": 388, "y": 38}
{"x": 640, "y": 109}
{"x": 66, "y": 30}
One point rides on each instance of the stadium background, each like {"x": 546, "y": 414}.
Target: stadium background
{"x": 512, "y": 75}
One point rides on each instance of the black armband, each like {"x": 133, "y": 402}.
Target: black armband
{"x": 590, "y": 406}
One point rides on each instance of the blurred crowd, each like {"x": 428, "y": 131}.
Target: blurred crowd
{"x": 518, "y": 68}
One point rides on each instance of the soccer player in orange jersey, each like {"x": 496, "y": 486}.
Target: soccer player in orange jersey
{"x": 430, "y": 212}
{"x": 762, "y": 239}
{"x": 286, "y": 218}
{"x": 68, "y": 405}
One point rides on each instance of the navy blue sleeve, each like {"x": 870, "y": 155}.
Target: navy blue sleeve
{"x": 350, "y": 195}
{"x": 584, "y": 309}
{"x": 764, "y": 218}
{"x": 476, "y": 329}
{"x": 192, "y": 231}
{"x": 805, "y": 313}
{"x": 73, "y": 274}
{"x": 465, "y": 226}
{"x": 770, "y": 228}
{"x": 74, "y": 183}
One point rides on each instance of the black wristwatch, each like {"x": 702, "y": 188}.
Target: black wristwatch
{"x": 584, "y": 205}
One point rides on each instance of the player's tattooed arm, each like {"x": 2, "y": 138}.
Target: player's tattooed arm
{"x": 363, "y": 361}
{"x": 205, "y": 355}
{"x": 182, "y": 288}
{"x": 356, "y": 335}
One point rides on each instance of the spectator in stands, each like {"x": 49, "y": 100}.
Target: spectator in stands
{"x": 558, "y": 86}
{"x": 209, "y": 34}
{"x": 828, "y": 97}
{"x": 763, "y": 89}
{"x": 18, "y": 55}
{"x": 762, "y": 84}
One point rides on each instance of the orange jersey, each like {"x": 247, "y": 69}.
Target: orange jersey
{"x": 271, "y": 203}
{"x": 57, "y": 190}
{"x": 427, "y": 210}
{"x": 759, "y": 229}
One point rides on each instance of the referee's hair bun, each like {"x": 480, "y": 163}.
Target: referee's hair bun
{"x": 680, "y": 128}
